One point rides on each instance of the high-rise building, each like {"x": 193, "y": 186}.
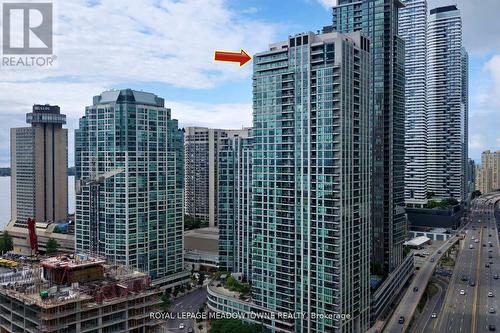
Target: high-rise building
{"x": 488, "y": 173}
{"x": 413, "y": 29}
{"x": 311, "y": 180}
{"x": 379, "y": 21}
{"x": 471, "y": 176}
{"x": 201, "y": 149}
{"x": 129, "y": 175}
{"x": 39, "y": 164}
{"x": 235, "y": 202}
{"x": 447, "y": 104}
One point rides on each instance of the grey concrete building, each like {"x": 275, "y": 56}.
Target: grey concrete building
{"x": 201, "y": 151}
{"x": 39, "y": 167}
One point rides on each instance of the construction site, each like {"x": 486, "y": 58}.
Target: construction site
{"x": 76, "y": 293}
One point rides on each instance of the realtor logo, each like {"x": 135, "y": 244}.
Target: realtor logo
{"x": 27, "y": 28}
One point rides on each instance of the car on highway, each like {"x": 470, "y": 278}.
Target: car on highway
{"x": 181, "y": 326}
{"x": 492, "y": 327}
{"x": 495, "y": 276}
{"x": 434, "y": 315}
{"x": 190, "y": 330}
{"x": 439, "y": 252}
{"x": 432, "y": 259}
{"x": 490, "y": 256}
{"x": 464, "y": 278}
{"x": 491, "y": 310}
{"x": 490, "y": 294}
{"x": 476, "y": 241}
{"x": 472, "y": 283}
{"x": 487, "y": 265}
{"x": 401, "y": 320}
{"x": 415, "y": 289}
{"x": 462, "y": 292}
{"x": 471, "y": 246}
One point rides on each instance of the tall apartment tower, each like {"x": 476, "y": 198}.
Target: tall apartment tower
{"x": 488, "y": 173}
{"x": 378, "y": 20}
{"x": 201, "y": 151}
{"x": 235, "y": 203}
{"x": 447, "y": 104}
{"x": 413, "y": 29}
{"x": 129, "y": 176}
{"x": 311, "y": 180}
{"x": 39, "y": 164}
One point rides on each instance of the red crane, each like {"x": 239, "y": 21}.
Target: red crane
{"x": 32, "y": 233}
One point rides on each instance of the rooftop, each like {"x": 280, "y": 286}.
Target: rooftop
{"x": 35, "y": 283}
{"x": 417, "y": 241}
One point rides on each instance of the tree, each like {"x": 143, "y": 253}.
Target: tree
{"x": 201, "y": 278}
{"x": 234, "y": 325}
{"x": 52, "y": 246}
{"x": 6, "y": 243}
{"x": 191, "y": 223}
{"x": 430, "y": 195}
{"x": 165, "y": 301}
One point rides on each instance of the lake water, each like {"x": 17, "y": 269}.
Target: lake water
{"x": 5, "y": 199}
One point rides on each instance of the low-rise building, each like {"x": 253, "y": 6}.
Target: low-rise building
{"x": 77, "y": 294}
{"x": 62, "y": 233}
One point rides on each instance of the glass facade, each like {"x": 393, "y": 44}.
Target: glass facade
{"x": 311, "y": 181}
{"x": 378, "y": 19}
{"x": 234, "y": 203}
{"x": 129, "y": 175}
{"x": 447, "y": 102}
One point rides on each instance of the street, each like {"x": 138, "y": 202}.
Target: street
{"x": 189, "y": 303}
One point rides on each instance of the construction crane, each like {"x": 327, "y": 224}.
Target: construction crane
{"x": 94, "y": 185}
{"x": 32, "y": 235}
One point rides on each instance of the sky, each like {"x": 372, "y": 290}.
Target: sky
{"x": 167, "y": 46}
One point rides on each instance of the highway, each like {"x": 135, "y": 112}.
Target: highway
{"x": 487, "y": 306}
{"x": 408, "y": 304}
{"x": 467, "y": 303}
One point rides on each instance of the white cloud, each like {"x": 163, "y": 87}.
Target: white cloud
{"x": 211, "y": 115}
{"x": 328, "y": 4}
{"x": 476, "y": 142}
{"x": 165, "y": 41}
{"x": 109, "y": 43}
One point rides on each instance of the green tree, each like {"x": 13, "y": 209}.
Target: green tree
{"x": 52, "y": 246}
{"x": 6, "y": 243}
{"x": 234, "y": 325}
{"x": 201, "y": 278}
{"x": 191, "y": 223}
{"x": 430, "y": 195}
{"x": 165, "y": 301}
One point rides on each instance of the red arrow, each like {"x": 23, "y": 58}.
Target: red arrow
{"x": 242, "y": 57}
